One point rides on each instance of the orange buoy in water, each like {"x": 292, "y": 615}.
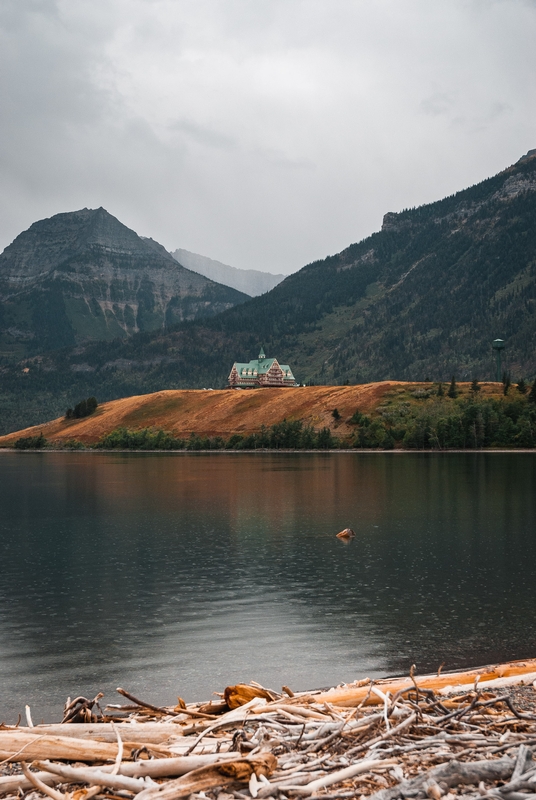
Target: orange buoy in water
{"x": 347, "y": 533}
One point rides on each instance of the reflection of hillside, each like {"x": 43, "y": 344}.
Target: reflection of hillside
{"x": 139, "y": 564}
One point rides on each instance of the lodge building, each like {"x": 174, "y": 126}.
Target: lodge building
{"x": 261, "y": 371}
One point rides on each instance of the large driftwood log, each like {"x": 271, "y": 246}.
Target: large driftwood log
{"x": 95, "y": 777}
{"x": 155, "y": 768}
{"x": 497, "y": 683}
{"x": 200, "y": 780}
{"x": 16, "y": 745}
{"x": 141, "y": 733}
{"x": 350, "y": 696}
{"x": 451, "y": 774}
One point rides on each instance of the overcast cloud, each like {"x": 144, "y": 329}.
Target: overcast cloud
{"x": 262, "y": 133}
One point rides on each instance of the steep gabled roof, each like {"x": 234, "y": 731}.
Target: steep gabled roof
{"x": 256, "y": 365}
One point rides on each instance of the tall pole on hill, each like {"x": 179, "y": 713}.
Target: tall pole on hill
{"x": 498, "y": 346}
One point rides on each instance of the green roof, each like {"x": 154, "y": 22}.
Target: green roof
{"x": 260, "y": 366}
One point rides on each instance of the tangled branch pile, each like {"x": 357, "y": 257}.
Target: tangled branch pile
{"x": 419, "y": 737}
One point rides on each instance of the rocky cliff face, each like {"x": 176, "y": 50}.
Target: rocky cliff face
{"x": 85, "y": 276}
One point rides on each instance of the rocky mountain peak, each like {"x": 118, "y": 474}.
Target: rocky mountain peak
{"x": 50, "y": 242}
{"x": 83, "y": 275}
{"x": 394, "y": 222}
{"x": 527, "y": 156}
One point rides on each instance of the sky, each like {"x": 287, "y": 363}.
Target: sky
{"x": 262, "y": 133}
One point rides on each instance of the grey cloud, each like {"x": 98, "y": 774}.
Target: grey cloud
{"x": 437, "y": 103}
{"x": 264, "y": 135}
{"x": 203, "y": 135}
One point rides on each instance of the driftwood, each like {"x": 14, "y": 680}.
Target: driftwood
{"x": 353, "y": 695}
{"x": 95, "y": 777}
{"x": 367, "y": 765}
{"x": 452, "y": 774}
{"x": 155, "y": 768}
{"x": 415, "y": 742}
{"x": 79, "y": 710}
{"x": 239, "y": 771}
{"x": 142, "y": 733}
{"x": 241, "y": 694}
{"x": 16, "y": 745}
{"x": 39, "y": 785}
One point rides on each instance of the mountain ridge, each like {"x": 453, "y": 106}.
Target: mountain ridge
{"x": 251, "y": 281}
{"x": 84, "y": 275}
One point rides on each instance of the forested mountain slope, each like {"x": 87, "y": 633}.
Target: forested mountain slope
{"x": 424, "y": 297}
{"x": 421, "y": 299}
{"x": 85, "y": 276}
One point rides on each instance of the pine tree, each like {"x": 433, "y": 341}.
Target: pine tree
{"x": 522, "y": 387}
{"x": 532, "y": 394}
{"x": 453, "y": 389}
{"x": 475, "y": 388}
{"x": 440, "y": 390}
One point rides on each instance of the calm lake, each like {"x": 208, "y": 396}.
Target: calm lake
{"x": 177, "y": 574}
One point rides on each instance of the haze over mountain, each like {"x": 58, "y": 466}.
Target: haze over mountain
{"x": 250, "y": 281}
{"x": 83, "y": 275}
{"x": 421, "y": 299}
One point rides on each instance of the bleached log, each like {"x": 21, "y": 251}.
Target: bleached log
{"x": 12, "y": 783}
{"x": 141, "y": 733}
{"x": 155, "y": 768}
{"x": 350, "y": 696}
{"x": 301, "y": 711}
{"x": 172, "y": 767}
{"x": 16, "y": 745}
{"x": 496, "y": 683}
{"x": 222, "y": 774}
{"x": 95, "y": 777}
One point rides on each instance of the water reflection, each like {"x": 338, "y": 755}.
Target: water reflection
{"x": 180, "y": 573}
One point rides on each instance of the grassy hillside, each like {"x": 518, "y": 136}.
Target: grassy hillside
{"x": 379, "y": 415}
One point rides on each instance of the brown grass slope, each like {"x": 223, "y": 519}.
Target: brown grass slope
{"x": 225, "y": 412}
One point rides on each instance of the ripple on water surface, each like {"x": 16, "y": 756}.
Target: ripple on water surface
{"x": 178, "y": 574}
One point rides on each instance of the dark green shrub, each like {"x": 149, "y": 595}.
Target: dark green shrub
{"x": 82, "y": 409}
{"x": 31, "y": 442}
{"x": 325, "y": 441}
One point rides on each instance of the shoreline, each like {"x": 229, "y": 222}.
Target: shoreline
{"x": 265, "y": 451}
{"x": 468, "y": 733}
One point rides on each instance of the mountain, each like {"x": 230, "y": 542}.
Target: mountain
{"x": 250, "y": 281}
{"x": 421, "y": 299}
{"x": 84, "y": 275}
